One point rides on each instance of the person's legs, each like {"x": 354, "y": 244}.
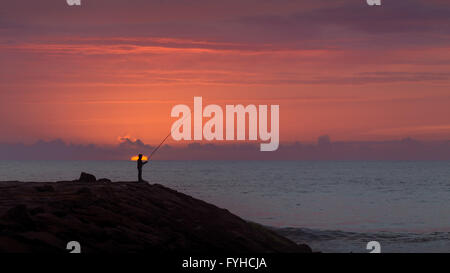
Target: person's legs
{"x": 140, "y": 175}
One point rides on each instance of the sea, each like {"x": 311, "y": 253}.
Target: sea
{"x": 333, "y": 206}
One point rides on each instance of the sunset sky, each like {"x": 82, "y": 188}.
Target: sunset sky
{"x": 112, "y": 69}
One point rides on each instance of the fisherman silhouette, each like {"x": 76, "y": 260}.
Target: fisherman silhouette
{"x": 140, "y": 163}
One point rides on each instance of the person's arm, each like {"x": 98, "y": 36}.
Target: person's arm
{"x": 145, "y": 162}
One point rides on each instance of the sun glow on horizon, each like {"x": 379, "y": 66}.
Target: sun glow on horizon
{"x": 135, "y": 158}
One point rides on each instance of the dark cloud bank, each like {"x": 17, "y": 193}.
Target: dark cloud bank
{"x": 324, "y": 149}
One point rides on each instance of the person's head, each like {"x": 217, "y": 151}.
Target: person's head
{"x": 140, "y": 156}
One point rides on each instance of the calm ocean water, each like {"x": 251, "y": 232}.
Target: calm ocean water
{"x": 334, "y": 206}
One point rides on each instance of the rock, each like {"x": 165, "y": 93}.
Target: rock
{"x": 104, "y": 180}
{"x": 37, "y": 210}
{"x": 47, "y": 188}
{"x": 60, "y": 213}
{"x": 86, "y": 177}
{"x": 84, "y": 190}
{"x": 19, "y": 218}
{"x": 126, "y": 217}
{"x": 305, "y": 248}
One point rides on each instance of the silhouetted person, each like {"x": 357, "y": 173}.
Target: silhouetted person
{"x": 140, "y": 163}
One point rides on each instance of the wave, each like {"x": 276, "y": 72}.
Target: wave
{"x": 347, "y": 241}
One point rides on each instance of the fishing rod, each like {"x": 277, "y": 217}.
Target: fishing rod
{"x": 164, "y": 140}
